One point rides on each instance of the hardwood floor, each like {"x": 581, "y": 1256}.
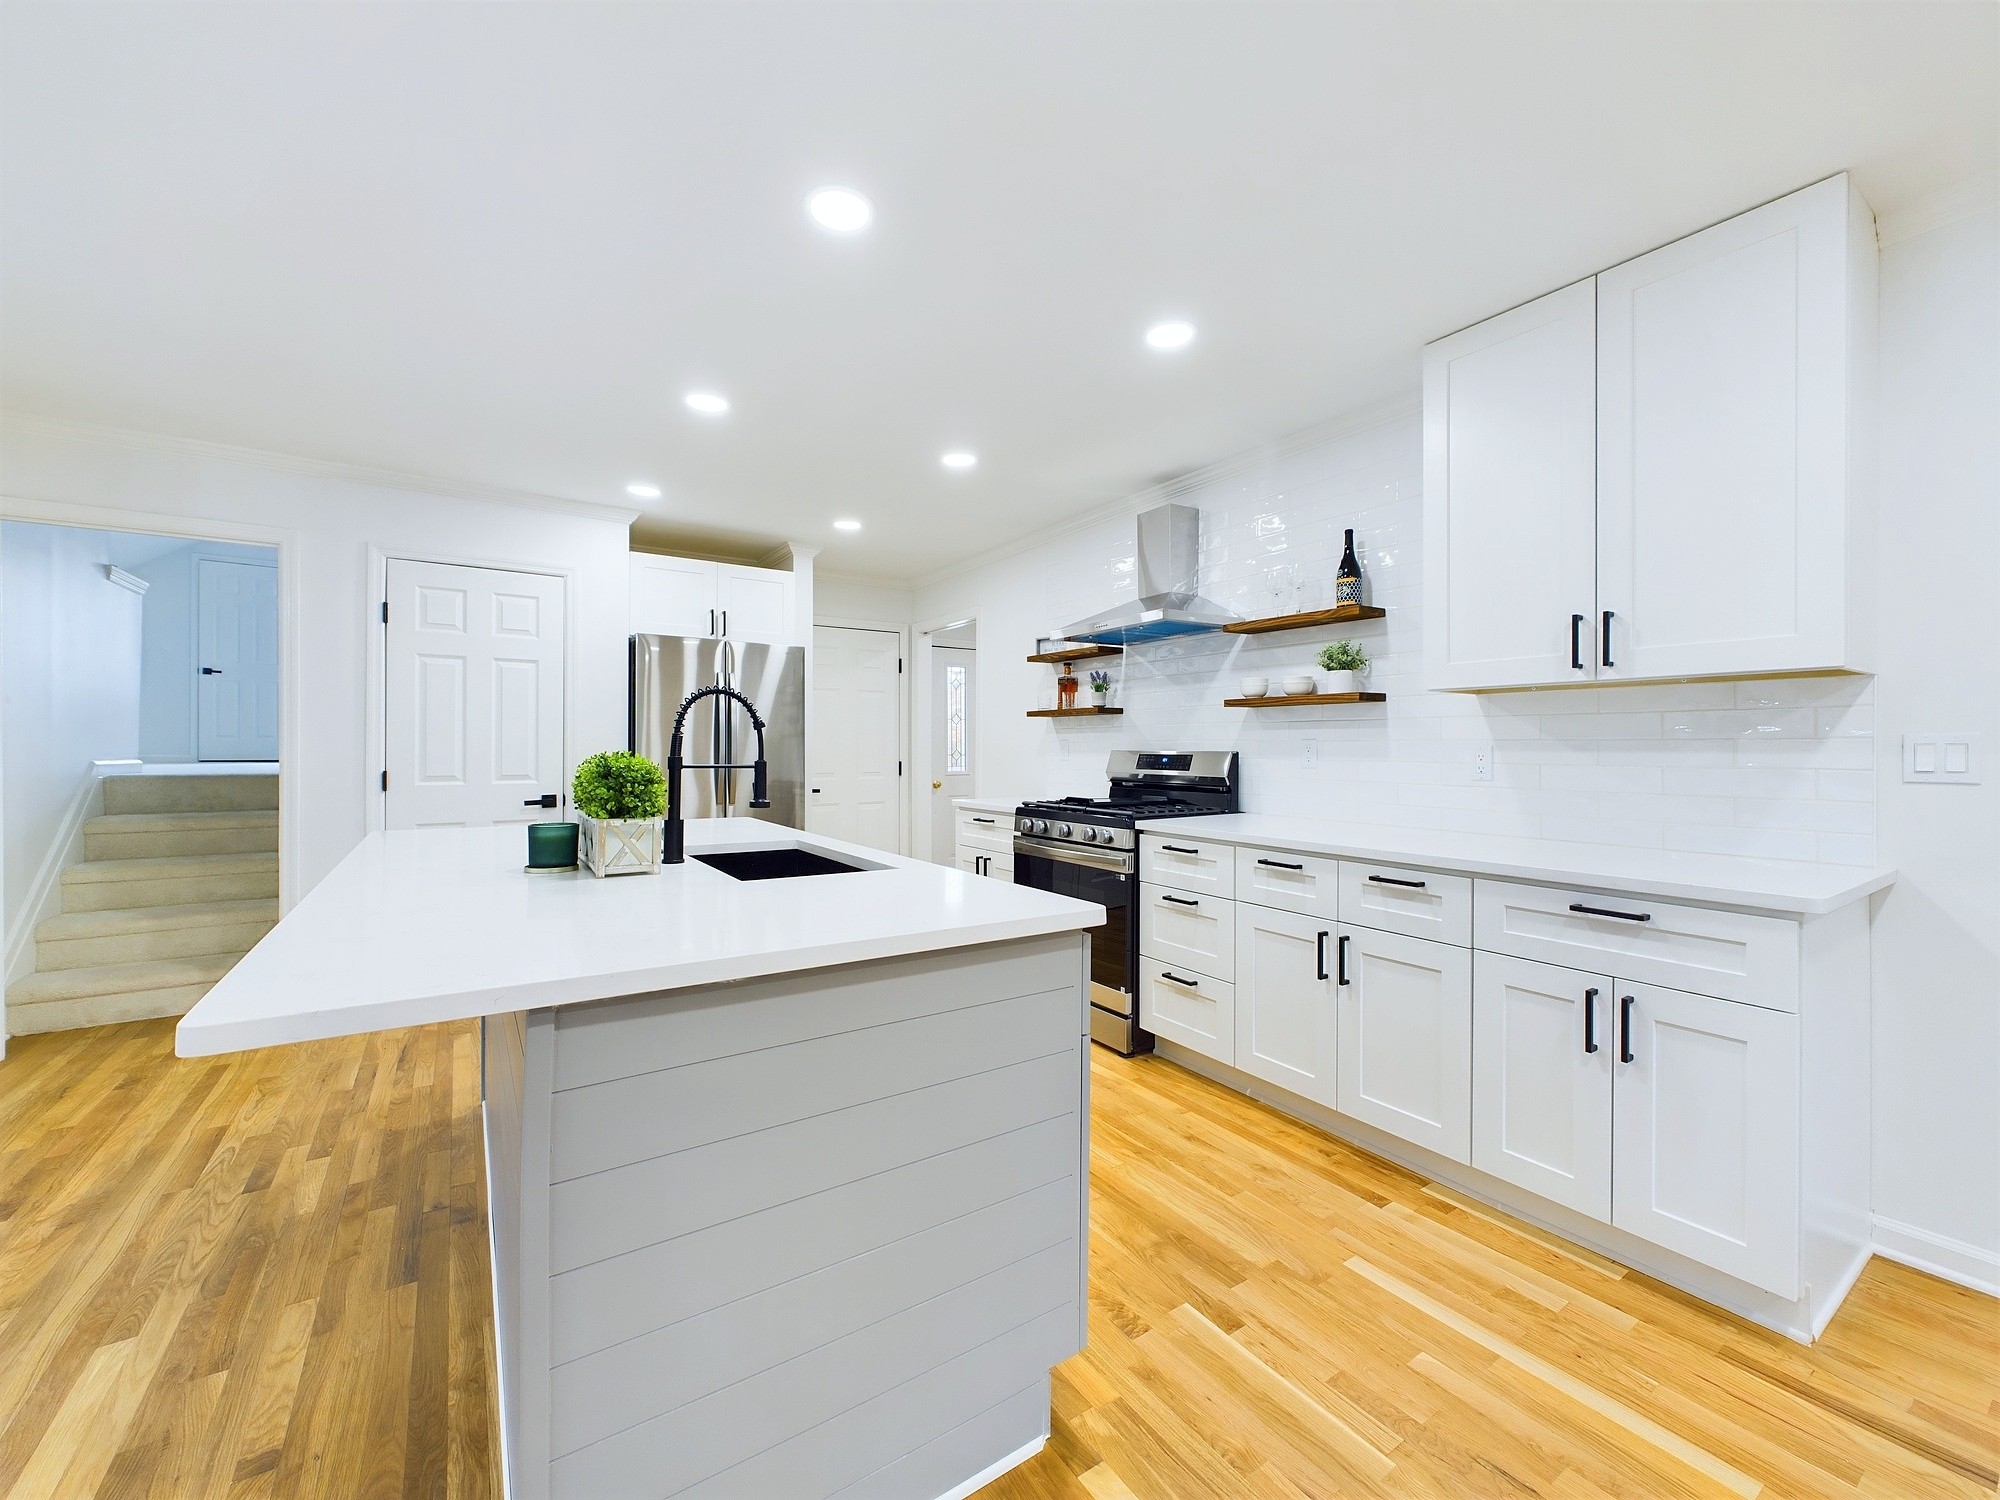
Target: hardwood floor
{"x": 265, "y": 1276}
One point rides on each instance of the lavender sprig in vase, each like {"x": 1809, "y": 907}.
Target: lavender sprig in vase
{"x": 1100, "y": 688}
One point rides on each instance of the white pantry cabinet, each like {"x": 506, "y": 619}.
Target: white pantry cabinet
{"x": 1286, "y": 1026}
{"x": 692, "y": 596}
{"x": 1721, "y": 527}
{"x": 1405, "y": 1039}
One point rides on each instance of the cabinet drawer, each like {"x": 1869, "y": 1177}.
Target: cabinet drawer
{"x": 1416, "y": 903}
{"x": 1640, "y": 940}
{"x": 986, "y": 831}
{"x": 1188, "y": 865}
{"x": 1305, "y": 883}
{"x": 979, "y": 862}
{"x": 1198, "y": 1012}
{"x": 1177, "y": 927}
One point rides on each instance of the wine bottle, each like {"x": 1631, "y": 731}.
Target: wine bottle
{"x": 1347, "y": 582}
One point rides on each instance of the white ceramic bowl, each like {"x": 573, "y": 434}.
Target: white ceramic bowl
{"x": 1298, "y": 687}
{"x": 1256, "y": 687}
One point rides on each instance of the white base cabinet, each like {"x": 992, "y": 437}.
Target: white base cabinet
{"x": 1405, "y": 1038}
{"x": 1286, "y": 1029}
{"x": 985, "y": 844}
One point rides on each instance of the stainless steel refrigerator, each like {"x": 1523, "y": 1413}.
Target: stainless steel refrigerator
{"x": 666, "y": 668}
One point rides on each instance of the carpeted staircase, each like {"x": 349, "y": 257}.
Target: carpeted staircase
{"x": 179, "y": 878}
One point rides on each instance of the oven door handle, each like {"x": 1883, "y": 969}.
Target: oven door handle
{"x": 1116, "y": 861}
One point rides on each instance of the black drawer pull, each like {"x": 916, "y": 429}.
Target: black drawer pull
{"x": 1279, "y": 864}
{"x": 1178, "y": 900}
{"x": 1415, "y": 885}
{"x": 1590, "y": 1020}
{"x": 1173, "y": 978}
{"x": 1625, "y": 1029}
{"x": 1599, "y": 911}
{"x": 984, "y": 820}
{"x": 1179, "y": 849}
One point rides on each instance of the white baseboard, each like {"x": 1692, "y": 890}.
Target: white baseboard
{"x": 44, "y": 897}
{"x": 992, "y": 1472}
{"x": 1954, "y": 1260}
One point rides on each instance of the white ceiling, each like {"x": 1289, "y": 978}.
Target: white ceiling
{"x": 496, "y": 244}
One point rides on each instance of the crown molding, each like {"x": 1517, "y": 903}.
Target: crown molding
{"x": 1967, "y": 198}
{"x": 125, "y": 580}
{"x": 29, "y": 424}
{"x": 1348, "y": 424}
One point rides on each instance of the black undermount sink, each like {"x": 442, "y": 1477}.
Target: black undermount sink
{"x": 775, "y": 864}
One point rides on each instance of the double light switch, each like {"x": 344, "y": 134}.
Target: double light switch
{"x": 1941, "y": 758}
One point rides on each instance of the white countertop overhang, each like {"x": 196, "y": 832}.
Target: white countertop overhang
{"x": 443, "y": 924}
{"x": 1789, "y": 888}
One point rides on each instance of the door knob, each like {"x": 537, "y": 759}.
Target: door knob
{"x": 937, "y": 785}
{"x": 547, "y": 799}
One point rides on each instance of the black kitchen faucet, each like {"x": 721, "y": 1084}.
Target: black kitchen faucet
{"x": 760, "y": 791}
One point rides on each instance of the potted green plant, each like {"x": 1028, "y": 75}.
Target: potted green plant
{"x": 620, "y": 800}
{"x": 1345, "y": 663}
{"x": 1100, "y": 688}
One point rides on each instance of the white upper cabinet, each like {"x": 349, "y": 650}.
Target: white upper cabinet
{"x": 1510, "y": 527}
{"x": 1726, "y": 374}
{"x": 688, "y": 596}
{"x": 1660, "y": 473}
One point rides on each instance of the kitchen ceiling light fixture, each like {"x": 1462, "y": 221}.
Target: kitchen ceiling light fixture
{"x": 959, "y": 460}
{"x": 707, "y": 403}
{"x": 846, "y": 525}
{"x": 839, "y": 210}
{"x": 643, "y": 491}
{"x": 1170, "y": 335}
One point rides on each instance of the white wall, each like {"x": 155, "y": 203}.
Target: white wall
{"x": 1937, "y": 932}
{"x": 167, "y": 659}
{"x": 69, "y": 684}
{"x": 838, "y": 598}
{"x": 329, "y": 522}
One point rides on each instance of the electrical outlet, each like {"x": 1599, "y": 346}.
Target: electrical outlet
{"x": 1482, "y": 762}
{"x": 1312, "y": 753}
{"x": 1062, "y": 746}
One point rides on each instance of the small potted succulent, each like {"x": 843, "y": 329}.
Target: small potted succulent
{"x": 620, "y": 800}
{"x": 1344, "y": 663}
{"x": 1100, "y": 688}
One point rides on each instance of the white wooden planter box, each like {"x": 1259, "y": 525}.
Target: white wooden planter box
{"x": 620, "y": 846}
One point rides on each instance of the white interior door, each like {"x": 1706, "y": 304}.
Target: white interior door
{"x": 1542, "y": 1045}
{"x": 1285, "y": 1024}
{"x": 474, "y": 695}
{"x": 236, "y": 689}
{"x": 1406, "y": 1037}
{"x": 953, "y": 675}
{"x": 856, "y": 765}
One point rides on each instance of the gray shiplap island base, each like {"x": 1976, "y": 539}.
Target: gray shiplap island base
{"x": 812, "y": 1229}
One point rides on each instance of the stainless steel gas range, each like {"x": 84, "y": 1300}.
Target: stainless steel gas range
{"x": 1088, "y": 848}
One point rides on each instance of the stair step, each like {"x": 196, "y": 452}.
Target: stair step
{"x": 119, "y": 979}
{"x": 174, "y": 880}
{"x": 85, "y": 924}
{"x": 196, "y": 793}
{"x": 123, "y": 836}
{"x": 89, "y": 939}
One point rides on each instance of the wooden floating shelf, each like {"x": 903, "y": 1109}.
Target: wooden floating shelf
{"x": 1071, "y": 713}
{"x": 1078, "y": 653}
{"x": 1340, "y": 614}
{"x": 1294, "y": 700}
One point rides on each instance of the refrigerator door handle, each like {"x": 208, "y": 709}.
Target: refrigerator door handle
{"x": 725, "y": 729}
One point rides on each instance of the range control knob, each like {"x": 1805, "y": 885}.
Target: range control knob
{"x": 1098, "y": 835}
{"x": 1038, "y": 825}
{"x": 1062, "y": 830}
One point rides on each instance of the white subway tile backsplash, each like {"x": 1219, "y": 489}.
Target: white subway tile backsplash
{"x": 1781, "y": 768}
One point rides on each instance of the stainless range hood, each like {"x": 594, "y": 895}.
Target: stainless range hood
{"x": 1167, "y": 606}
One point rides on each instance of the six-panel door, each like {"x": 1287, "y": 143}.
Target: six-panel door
{"x": 1706, "y": 1120}
{"x": 1405, "y": 1037}
{"x": 1285, "y": 1022}
{"x": 1542, "y": 1048}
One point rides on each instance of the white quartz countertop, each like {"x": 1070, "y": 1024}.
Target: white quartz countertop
{"x": 442, "y": 924}
{"x": 987, "y": 804}
{"x": 1796, "y": 889}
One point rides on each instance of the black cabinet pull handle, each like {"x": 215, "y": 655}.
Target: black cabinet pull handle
{"x": 1590, "y": 1020}
{"x": 976, "y": 820}
{"x": 1342, "y": 951}
{"x": 1607, "y": 638}
{"x": 211, "y": 671}
{"x": 1415, "y": 885}
{"x": 1599, "y": 911}
{"x": 1576, "y": 642}
{"x": 1319, "y": 955}
{"x": 1178, "y": 900}
{"x": 1170, "y": 975}
{"x": 547, "y": 799}
{"x": 1625, "y": 1029}
{"x": 1279, "y": 864}
{"x": 1179, "y": 849}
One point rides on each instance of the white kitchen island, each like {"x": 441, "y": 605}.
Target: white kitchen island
{"x": 787, "y": 1178}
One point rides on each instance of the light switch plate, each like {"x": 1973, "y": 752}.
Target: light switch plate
{"x": 1941, "y": 759}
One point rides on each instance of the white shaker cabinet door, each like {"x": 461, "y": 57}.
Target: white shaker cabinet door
{"x": 1722, "y": 445}
{"x": 1405, "y": 1045}
{"x": 1285, "y": 1022}
{"x": 1706, "y": 1106}
{"x": 754, "y": 604}
{"x": 1542, "y": 1045}
{"x": 673, "y": 596}
{"x": 1510, "y": 497}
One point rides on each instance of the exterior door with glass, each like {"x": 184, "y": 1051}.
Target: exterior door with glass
{"x": 951, "y": 743}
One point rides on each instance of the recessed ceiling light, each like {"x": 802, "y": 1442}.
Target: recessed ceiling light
{"x": 707, "y": 403}
{"x": 959, "y": 460}
{"x": 643, "y": 491}
{"x": 839, "y": 210}
{"x": 846, "y": 525}
{"x": 1173, "y": 335}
